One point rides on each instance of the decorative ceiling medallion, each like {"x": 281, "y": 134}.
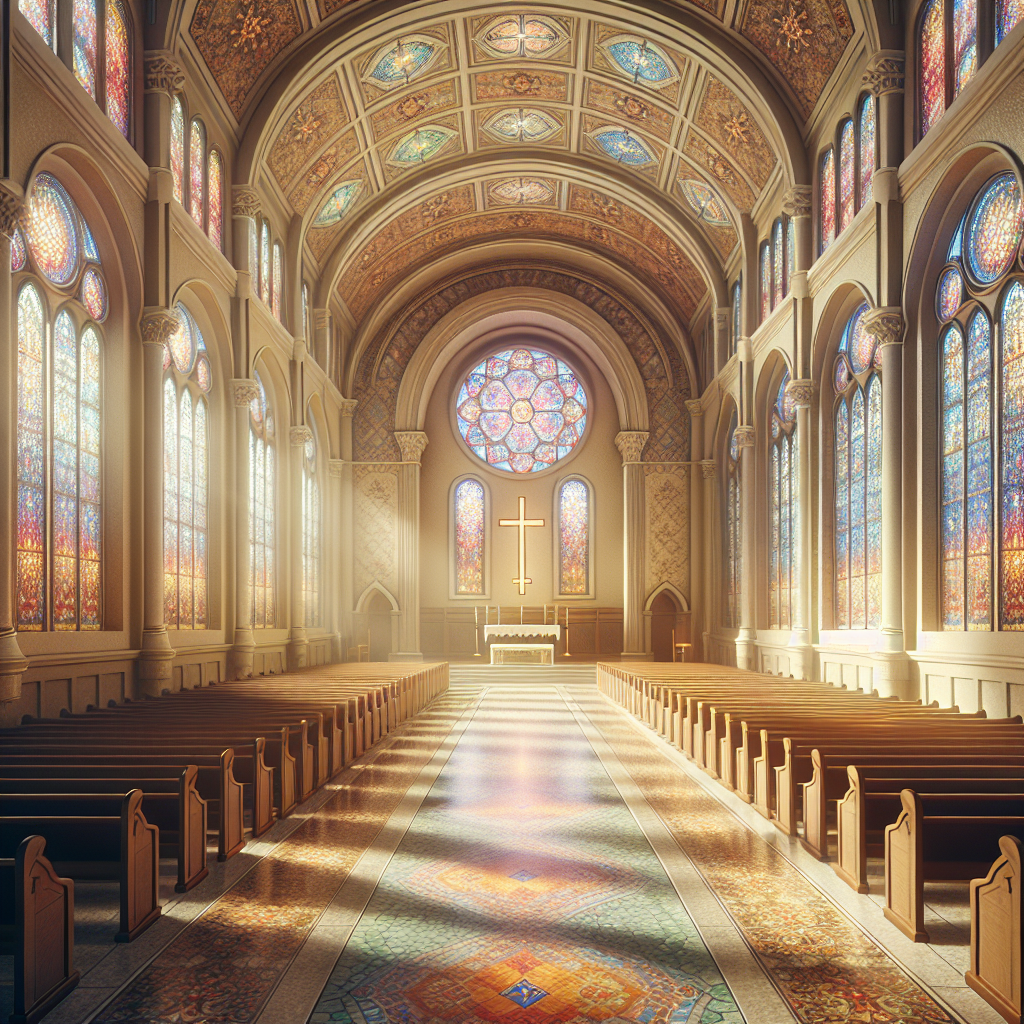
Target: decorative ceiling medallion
{"x": 337, "y": 204}
{"x": 522, "y": 192}
{"x": 643, "y": 62}
{"x": 622, "y": 146}
{"x": 522, "y": 125}
{"x": 419, "y": 146}
{"x": 398, "y": 63}
{"x": 705, "y": 203}
{"x": 523, "y": 35}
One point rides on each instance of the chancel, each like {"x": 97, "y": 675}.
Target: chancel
{"x": 511, "y": 512}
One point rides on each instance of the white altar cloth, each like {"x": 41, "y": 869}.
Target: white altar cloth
{"x": 521, "y": 629}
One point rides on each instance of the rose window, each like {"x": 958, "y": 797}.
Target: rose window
{"x": 521, "y": 410}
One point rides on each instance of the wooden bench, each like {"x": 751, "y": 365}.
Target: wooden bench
{"x": 124, "y": 847}
{"x": 37, "y": 928}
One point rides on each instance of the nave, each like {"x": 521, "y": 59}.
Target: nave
{"x": 525, "y": 852}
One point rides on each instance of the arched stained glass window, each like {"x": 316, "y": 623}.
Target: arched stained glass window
{"x": 178, "y": 149}
{"x": 1008, "y": 14}
{"x": 858, "y": 479}
{"x": 196, "y": 166}
{"x": 187, "y": 380}
{"x": 215, "y": 199}
{"x": 573, "y": 538}
{"x": 1011, "y": 459}
{"x": 306, "y": 319}
{"x": 265, "y": 263}
{"x": 312, "y": 541}
{"x": 965, "y": 43}
{"x": 868, "y": 143}
{"x": 84, "y": 44}
{"x": 827, "y": 198}
{"x": 932, "y": 64}
{"x": 790, "y": 252}
{"x": 737, "y": 314}
{"x": 766, "y": 280}
{"x": 470, "y": 537}
{"x": 733, "y": 540}
{"x": 276, "y": 281}
{"x": 254, "y": 255}
{"x": 784, "y": 510}
{"x": 118, "y": 67}
{"x": 847, "y": 176}
{"x": 778, "y": 262}
{"x": 262, "y": 480}
{"x": 40, "y": 17}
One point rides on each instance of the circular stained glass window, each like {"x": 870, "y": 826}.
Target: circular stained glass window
{"x": 994, "y": 226}
{"x": 94, "y": 294}
{"x": 859, "y": 345}
{"x": 52, "y": 233}
{"x": 950, "y": 294}
{"x": 521, "y": 410}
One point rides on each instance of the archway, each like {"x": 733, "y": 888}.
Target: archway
{"x": 666, "y": 622}
{"x": 378, "y": 626}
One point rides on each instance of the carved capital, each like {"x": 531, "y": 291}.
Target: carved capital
{"x": 336, "y": 467}
{"x": 885, "y": 325}
{"x": 707, "y": 469}
{"x": 744, "y": 436}
{"x": 411, "y": 443}
{"x": 797, "y": 201}
{"x": 245, "y": 202}
{"x": 163, "y": 73}
{"x": 243, "y": 391}
{"x": 11, "y": 206}
{"x": 722, "y": 314}
{"x": 321, "y": 319}
{"x": 299, "y": 436}
{"x": 800, "y": 393}
{"x": 348, "y": 407}
{"x": 886, "y": 72}
{"x": 631, "y": 444}
{"x": 694, "y": 408}
{"x": 159, "y": 325}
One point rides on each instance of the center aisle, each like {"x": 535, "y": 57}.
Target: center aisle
{"x": 524, "y": 891}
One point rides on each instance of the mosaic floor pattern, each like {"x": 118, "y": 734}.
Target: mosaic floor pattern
{"x": 525, "y": 893}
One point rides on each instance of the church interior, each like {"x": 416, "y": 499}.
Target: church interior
{"x": 511, "y": 512}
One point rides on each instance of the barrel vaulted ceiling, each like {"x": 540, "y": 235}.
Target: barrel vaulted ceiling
{"x": 401, "y": 134}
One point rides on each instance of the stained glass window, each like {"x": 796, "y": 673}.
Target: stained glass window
{"x": 1011, "y": 460}
{"x": 470, "y": 537}
{"x": 642, "y": 61}
{"x": 94, "y": 294}
{"x": 276, "y": 281}
{"x": 522, "y": 125}
{"x": 196, "y": 165}
{"x": 118, "y": 66}
{"x": 827, "y": 198}
{"x": 705, "y": 203}
{"x": 312, "y": 543}
{"x": 965, "y": 43}
{"x": 733, "y": 541}
{"x": 262, "y": 482}
{"x": 521, "y": 410}
{"x": 19, "y": 254}
{"x": 993, "y": 229}
{"x": 215, "y": 199}
{"x": 932, "y": 46}
{"x": 178, "y": 149}
{"x": 400, "y": 64}
{"x": 737, "y": 315}
{"x": 868, "y": 143}
{"x": 778, "y": 263}
{"x": 846, "y": 175}
{"x": 783, "y": 507}
{"x": 766, "y": 280}
{"x": 790, "y": 253}
{"x": 40, "y": 17}
{"x": 53, "y": 230}
{"x": 420, "y": 145}
{"x": 521, "y": 36}
{"x": 624, "y": 147}
{"x": 254, "y": 255}
{"x": 337, "y": 203}
{"x": 83, "y": 42}
{"x": 573, "y": 538}
{"x": 1009, "y": 13}
{"x": 265, "y": 263}
{"x": 305, "y": 312}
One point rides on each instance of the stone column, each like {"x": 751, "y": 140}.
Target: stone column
{"x": 411, "y": 443}
{"x": 346, "y": 523}
{"x": 240, "y": 658}
{"x": 801, "y": 636}
{"x": 12, "y": 662}
{"x": 746, "y": 646}
{"x": 298, "y": 644}
{"x": 159, "y": 326}
{"x": 335, "y": 544}
{"x": 631, "y": 445}
{"x": 712, "y": 542}
{"x": 699, "y": 602}
{"x": 796, "y": 202}
{"x": 723, "y": 336}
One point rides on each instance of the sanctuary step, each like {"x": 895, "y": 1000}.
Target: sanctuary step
{"x": 526, "y": 675}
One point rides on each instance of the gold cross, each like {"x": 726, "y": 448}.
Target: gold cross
{"x": 522, "y": 522}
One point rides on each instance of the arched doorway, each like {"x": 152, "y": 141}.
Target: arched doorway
{"x": 378, "y": 623}
{"x": 664, "y": 616}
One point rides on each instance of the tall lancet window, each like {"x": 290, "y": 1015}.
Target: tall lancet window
{"x": 470, "y": 536}
{"x": 187, "y": 382}
{"x": 262, "y": 480}
{"x": 858, "y": 478}
{"x": 733, "y": 541}
{"x": 784, "y": 508}
{"x": 574, "y": 541}
{"x": 312, "y": 541}
{"x": 178, "y": 148}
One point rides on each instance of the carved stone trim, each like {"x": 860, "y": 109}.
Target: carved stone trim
{"x": 159, "y": 325}
{"x": 321, "y": 319}
{"x": 886, "y": 72}
{"x": 11, "y": 207}
{"x": 797, "y": 201}
{"x": 885, "y": 325}
{"x": 722, "y": 314}
{"x": 694, "y": 408}
{"x": 707, "y": 469}
{"x": 336, "y": 467}
{"x": 348, "y": 407}
{"x": 631, "y": 444}
{"x": 800, "y": 393}
{"x": 163, "y": 73}
{"x": 245, "y": 202}
{"x": 299, "y": 436}
{"x": 744, "y": 436}
{"x": 243, "y": 391}
{"x": 411, "y": 443}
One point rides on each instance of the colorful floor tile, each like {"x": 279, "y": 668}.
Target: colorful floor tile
{"x": 525, "y": 893}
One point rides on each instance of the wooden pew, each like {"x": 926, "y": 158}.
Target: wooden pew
{"x": 945, "y": 837}
{"x": 174, "y": 806}
{"x": 37, "y": 928}
{"x": 125, "y": 848}
{"x": 996, "y": 972}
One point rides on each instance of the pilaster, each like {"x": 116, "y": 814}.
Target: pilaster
{"x": 631, "y": 445}
{"x": 699, "y": 603}
{"x": 801, "y": 637}
{"x": 298, "y": 643}
{"x": 346, "y": 534}
{"x": 241, "y": 656}
{"x": 746, "y": 647}
{"x": 411, "y": 443}
{"x": 711, "y": 590}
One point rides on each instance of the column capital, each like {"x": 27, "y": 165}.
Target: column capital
{"x": 694, "y": 407}
{"x": 348, "y": 407}
{"x": 336, "y": 467}
{"x": 411, "y": 443}
{"x": 798, "y": 200}
{"x": 631, "y": 444}
{"x": 800, "y": 393}
{"x": 885, "y": 325}
{"x": 707, "y": 469}
{"x": 744, "y": 436}
{"x": 162, "y": 72}
{"x": 245, "y": 202}
{"x": 159, "y": 325}
{"x": 299, "y": 436}
{"x": 243, "y": 391}
{"x": 886, "y": 72}
{"x": 722, "y": 314}
{"x": 12, "y": 205}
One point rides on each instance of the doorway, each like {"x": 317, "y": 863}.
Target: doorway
{"x": 378, "y": 622}
{"x": 664, "y": 615}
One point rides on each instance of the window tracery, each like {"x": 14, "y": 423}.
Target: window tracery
{"x": 573, "y": 538}
{"x": 470, "y": 522}
{"x": 845, "y": 180}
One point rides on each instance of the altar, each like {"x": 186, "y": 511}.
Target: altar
{"x": 521, "y": 653}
